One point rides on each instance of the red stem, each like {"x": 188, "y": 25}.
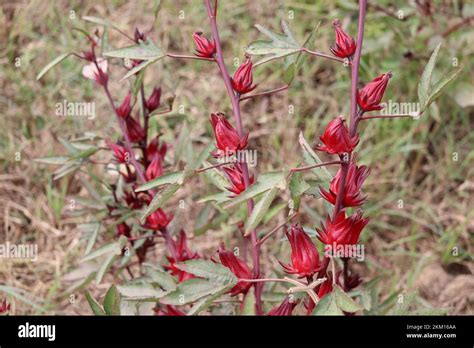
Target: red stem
{"x": 234, "y": 98}
{"x": 353, "y": 117}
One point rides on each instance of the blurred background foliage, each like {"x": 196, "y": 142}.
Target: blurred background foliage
{"x": 421, "y": 186}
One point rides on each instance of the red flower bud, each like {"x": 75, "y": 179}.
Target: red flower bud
{"x": 138, "y": 36}
{"x": 345, "y": 45}
{"x": 125, "y": 108}
{"x": 353, "y": 196}
{"x": 153, "y": 101}
{"x": 284, "y": 309}
{"x": 236, "y": 178}
{"x": 342, "y": 231}
{"x": 158, "y": 220}
{"x": 123, "y": 230}
{"x": 239, "y": 268}
{"x": 183, "y": 254}
{"x": 370, "y": 96}
{"x": 304, "y": 255}
{"x": 227, "y": 138}
{"x": 204, "y": 48}
{"x": 134, "y": 129}
{"x": 4, "y": 306}
{"x": 120, "y": 152}
{"x": 243, "y": 80}
{"x": 154, "y": 150}
{"x": 336, "y": 139}
{"x": 155, "y": 169}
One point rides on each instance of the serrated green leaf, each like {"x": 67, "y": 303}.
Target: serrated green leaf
{"x": 297, "y": 187}
{"x": 311, "y": 158}
{"x": 205, "y": 302}
{"x": 260, "y": 210}
{"x": 192, "y": 290}
{"x": 328, "y": 306}
{"x": 216, "y": 177}
{"x": 424, "y": 86}
{"x": 159, "y": 200}
{"x": 106, "y": 249}
{"x": 439, "y": 86}
{"x": 140, "y": 292}
{"x": 265, "y": 182}
{"x": 345, "y": 302}
{"x": 219, "y": 197}
{"x": 280, "y": 45}
{"x": 141, "y": 51}
{"x": 112, "y": 301}
{"x": 51, "y": 64}
{"x": 95, "y": 306}
{"x": 163, "y": 279}
{"x": 168, "y": 178}
{"x": 207, "y": 269}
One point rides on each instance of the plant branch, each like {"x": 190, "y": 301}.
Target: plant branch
{"x": 183, "y": 56}
{"x": 269, "y": 234}
{"x": 327, "y": 56}
{"x": 369, "y": 117}
{"x": 301, "y": 169}
{"x": 279, "y": 89}
{"x": 234, "y": 98}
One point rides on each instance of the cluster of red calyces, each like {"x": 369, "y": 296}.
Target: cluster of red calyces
{"x": 343, "y": 227}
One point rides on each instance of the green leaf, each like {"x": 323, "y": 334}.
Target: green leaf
{"x": 260, "y": 210}
{"x": 52, "y": 64}
{"x": 219, "y": 197}
{"x": 205, "y": 302}
{"x": 159, "y": 200}
{"x": 345, "y": 302}
{"x": 168, "y": 178}
{"x": 439, "y": 86}
{"x": 104, "y": 267}
{"x": 217, "y": 178}
{"x": 140, "y": 292}
{"x": 106, "y": 249}
{"x": 265, "y": 182}
{"x": 163, "y": 279}
{"x": 297, "y": 187}
{"x": 112, "y": 301}
{"x": 95, "y": 306}
{"x": 311, "y": 158}
{"x": 146, "y": 51}
{"x": 91, "y": 230}
{"x": 52, "y": 160}
{"x": 192, "y": 290}
{"x": 328, "y": 306}
{"x": 424, "y": 86}
{"x": 210, "y": 270}
{"x": 280, "y": 45}
{"x": 203, "y": 156}
{"x": 100, "y": 21}
{"x": 293, "y": 63}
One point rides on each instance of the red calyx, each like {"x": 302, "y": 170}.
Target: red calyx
{"x": 153, "y": 101}
{"x": 204, "y": 48}
{"x": 242, "y": 82}
{"x": 228, "y": 140}
{"x": 353, "y": 196}
{"x": 236, "y": 178}
{"x": 284, "y": 309}
{"x": 304, "y": 254}
{"x": 239, "y": 268}
{"x": 345, "y": 45}
{"x": 336, "y": 139}
{"x": 342, "y": 230}
{"x": 183, "y": 254}
{"x": 371, "y": 94}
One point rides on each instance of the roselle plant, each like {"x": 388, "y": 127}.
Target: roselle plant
{"x": 317, "y": 278}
